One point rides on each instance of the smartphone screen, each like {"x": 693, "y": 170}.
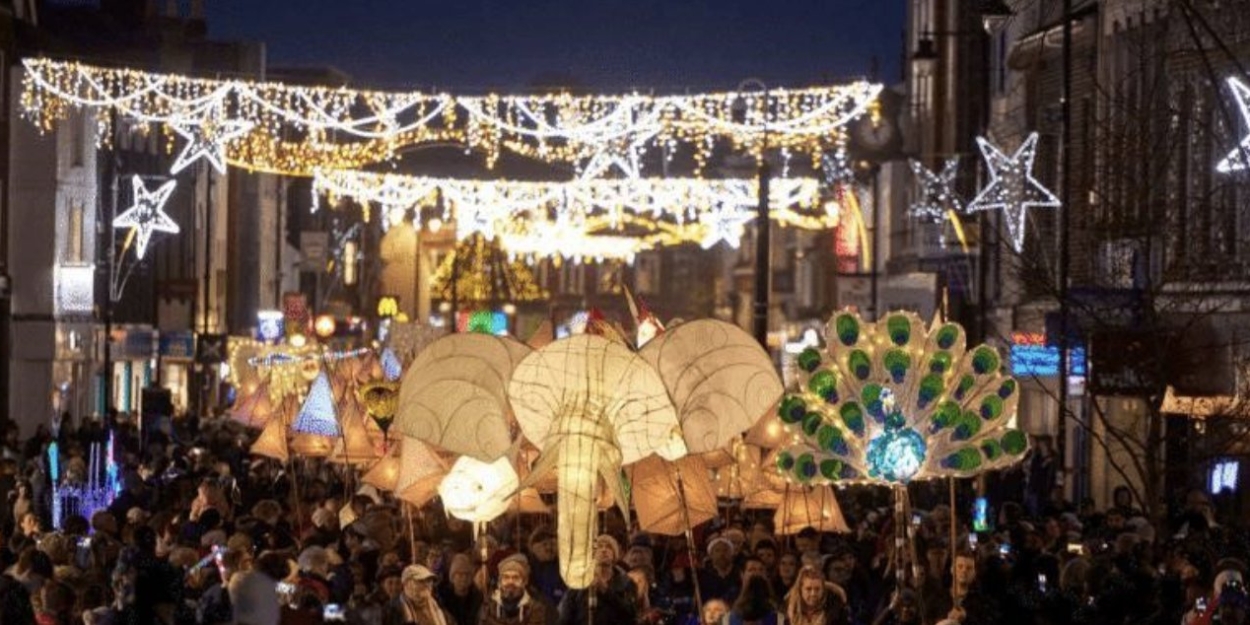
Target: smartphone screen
{"x": 980, "y": 515}
{"x": 333, "y": 612}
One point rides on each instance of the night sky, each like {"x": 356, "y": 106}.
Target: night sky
{"x": 474, "y": 46}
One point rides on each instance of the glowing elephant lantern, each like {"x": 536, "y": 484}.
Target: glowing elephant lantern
{"x": 591, "y": 405}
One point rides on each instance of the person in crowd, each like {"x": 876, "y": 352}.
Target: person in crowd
{"x": 714, "y": 612}
{"x": 417, "y": 604}
{"x": 611, "y": 598}
{"x": 720, "y": 579}
{"x": 787, "y": 574}
{"x": 904, "y": 609}
{"x": 511, "y": 603}
{"x": 754, "y": 605}
{"x": 813, "y": 601}
{"x": 458, "y": 594}
{"x": 677, "y": 588}
{"x": 545, "y": 574}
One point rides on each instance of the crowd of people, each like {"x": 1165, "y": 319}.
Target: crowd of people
{"x": 203, "y": 534}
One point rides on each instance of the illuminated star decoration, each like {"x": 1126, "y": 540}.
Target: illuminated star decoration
{"x": 1012, "y": 187}
{"x": 207, "y": 139}
{"x": 1239, "y": 158}
{"x": 725, "y": 223}
{"x": 147, "y": 214}
{"x": 935, "y": 192}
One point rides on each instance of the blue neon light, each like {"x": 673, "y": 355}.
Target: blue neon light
{"x": 1043, "y": 361}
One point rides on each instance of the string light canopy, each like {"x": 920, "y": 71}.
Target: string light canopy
{"x": 586, "y": 217}
{"x": 1239, "y": 158}
{"x": 297, "y": 129}
{"x": 1012, "y": 187}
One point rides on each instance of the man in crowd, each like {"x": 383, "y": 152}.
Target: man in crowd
{"x": 611, "y": 597}
{"x": 511, "y": 603}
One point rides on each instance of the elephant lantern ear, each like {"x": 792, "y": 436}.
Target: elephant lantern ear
{"x": 590, "y": 405}
{"x": 454, "y": 395}
{"x": 719, "y": 378}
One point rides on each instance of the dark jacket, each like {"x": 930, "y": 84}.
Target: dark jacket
{"x": 464, "y": 610}
{"x": 614, "y": 606}
{"x": 529, "y": 611}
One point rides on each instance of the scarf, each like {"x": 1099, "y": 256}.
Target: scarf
{"x": 430, "y": 615}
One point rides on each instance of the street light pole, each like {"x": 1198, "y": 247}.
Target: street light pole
{"x": 763, "y": 234}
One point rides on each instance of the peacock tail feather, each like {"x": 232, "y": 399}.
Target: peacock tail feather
{"x": 894, "y": 401}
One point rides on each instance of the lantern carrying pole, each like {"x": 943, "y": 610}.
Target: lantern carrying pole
{"x": 685, "y": 518}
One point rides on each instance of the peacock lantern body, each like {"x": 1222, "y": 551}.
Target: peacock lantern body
{"x": 893, "y": 401}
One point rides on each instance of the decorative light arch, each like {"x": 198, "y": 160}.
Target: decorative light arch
{"x": 271, "y": 126}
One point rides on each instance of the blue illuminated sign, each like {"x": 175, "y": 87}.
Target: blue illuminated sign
{"x": 1043, "y": 361}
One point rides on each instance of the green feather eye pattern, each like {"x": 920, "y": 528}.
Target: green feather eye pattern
{"x": 809, "y": 360}
{"x": 897, "y": 400}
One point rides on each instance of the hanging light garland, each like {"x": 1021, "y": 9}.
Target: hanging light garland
{"x": 1012, "y": 187}
{"x": 583, "y": 218}
{"x": 271, "y": 126}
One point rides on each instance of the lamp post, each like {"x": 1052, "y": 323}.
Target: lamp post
{"x": 763, "y": 226}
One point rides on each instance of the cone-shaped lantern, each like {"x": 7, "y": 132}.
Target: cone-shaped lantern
{"x": 392, "y": 368}
{"x": 312, "y": 445}
{"x": 272, "y": 441}
{"x": 354, "y": 446}
{"x": 317, "y": 415}
{"x": 255, "y": 409}
{"x": 809, "y": 506}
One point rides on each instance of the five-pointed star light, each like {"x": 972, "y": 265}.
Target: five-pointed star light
{"x": 1239, "y": 158}
{"x": 935, "y": 192}
{"x": 620, "y": 157}
{"x": 147, "y": 214}
{"x": 725, "y": 223}
{"x": 207, "y": 139}
{"x": 1012, "y": 187}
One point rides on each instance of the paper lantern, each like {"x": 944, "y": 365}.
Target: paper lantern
{"x": 255, "y": 409}
{"x": 454, "y": 395}
{"x": 528, "y": 501}
{"x": 591, "y": 405}
{"x": 764, "y": 499}
{"x": 384, "y": 474}
{"x": 317, "y": 414}
{"x": 354, "y": 446}
{"x": 894, "y": 401}
{"x": 272, "y": 441}
{"x": 719, "y": 378}
{"x": 381, "y": 401}
{"x": 312, "y": 445}
{"x": 392, "y": 368}
{"x": 809, "y": 506}
{"x": 742, "y": 476}
{"x": 420, "y": 471}
{"x": 654, "y": 488}
{"x": 477, "y": 491}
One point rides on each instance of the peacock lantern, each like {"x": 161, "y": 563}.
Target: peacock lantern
{"x": 893, "y": 401}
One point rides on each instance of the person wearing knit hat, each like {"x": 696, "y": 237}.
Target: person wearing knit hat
{"x": 544, "y": 566}
{"x": 720, "y": 579}
{"x": 606, "y": 547}
{"x": 458, "y": 594}
{"x": 511, "y": 603}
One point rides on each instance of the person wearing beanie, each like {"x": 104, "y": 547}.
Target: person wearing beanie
{"x": 677, "y": 588}
{"x": 544, "y": 567}
{"x": 611, "y": 593}
{"x": 511, "y": 603}
{"x": 720, "y": 579}
{"x": 458, "y": 594}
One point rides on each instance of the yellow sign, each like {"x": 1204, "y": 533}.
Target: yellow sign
{"x": 388, "y": 306}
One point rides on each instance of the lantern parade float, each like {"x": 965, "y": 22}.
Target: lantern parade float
{"x": 891, "y": 402}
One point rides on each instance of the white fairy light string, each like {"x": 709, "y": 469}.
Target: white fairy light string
{"x": 147, "y": 214}
{"x": 652, "y": 211}
{"x": 296, "y": 129}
